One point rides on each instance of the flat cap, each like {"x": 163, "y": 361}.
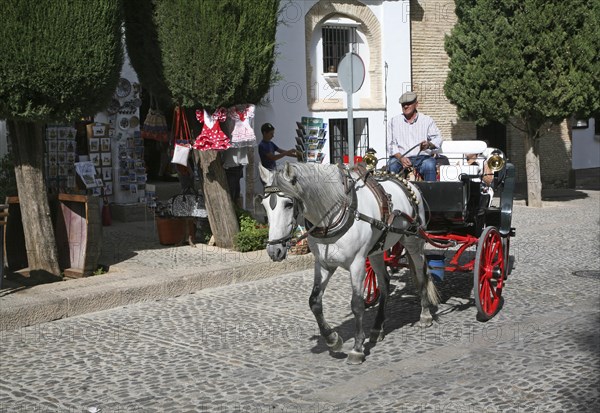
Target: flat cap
{"x": 408, "y": 97}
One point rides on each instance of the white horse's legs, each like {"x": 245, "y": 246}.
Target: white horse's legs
{"x": 322, "y": 275}
{"x": 383, "y": 280}
{"x": 425, "y": 287}
{"x": 357, "y": 278}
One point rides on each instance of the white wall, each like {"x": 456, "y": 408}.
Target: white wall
{"x": 586, "y": 147}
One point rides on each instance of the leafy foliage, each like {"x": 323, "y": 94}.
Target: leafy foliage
{"x": 252, "y": 236}
{"x": 60, "y": 59}
{"x": 536, "y": 60}
{"x": 141, "y": 37}
{"x": 217, "y": 53}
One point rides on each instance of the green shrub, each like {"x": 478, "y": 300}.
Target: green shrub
{"x": 251, "y": 240}
{"x": 252, "y": 236}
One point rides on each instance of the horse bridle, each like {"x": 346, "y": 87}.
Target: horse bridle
{"x": 273, "y": 190}
{"x": 287, "y": 240}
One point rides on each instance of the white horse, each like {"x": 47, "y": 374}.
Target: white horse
{"x": 347, "y": 227}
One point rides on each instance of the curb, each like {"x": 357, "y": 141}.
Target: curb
{"x": 55, "y": 301}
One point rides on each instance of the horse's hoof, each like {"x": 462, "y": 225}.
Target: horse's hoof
{"x": 376, "y": 336}
{"x": 427, "y": 322}
{"x": 336, "y": 342}
{"x": 354, "y": 357}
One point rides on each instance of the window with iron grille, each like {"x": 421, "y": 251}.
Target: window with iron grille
{"x": 338, "y": 138}
{"x": 337, "y": 41}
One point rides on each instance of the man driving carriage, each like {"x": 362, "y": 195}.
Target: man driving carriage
{"x": 414, "y": 140}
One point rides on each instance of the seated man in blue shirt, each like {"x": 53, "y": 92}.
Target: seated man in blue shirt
{"x": 414, "y": 139}
{"x": 267, "y": 149}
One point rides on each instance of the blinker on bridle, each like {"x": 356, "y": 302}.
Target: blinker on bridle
{"x": 273, "y": 190}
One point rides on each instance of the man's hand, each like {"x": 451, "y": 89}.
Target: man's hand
{"x": 404, "y": 161}
{"x": 426, "y": 145}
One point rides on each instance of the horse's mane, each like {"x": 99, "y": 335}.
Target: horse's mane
{"x": 318, "y": 186}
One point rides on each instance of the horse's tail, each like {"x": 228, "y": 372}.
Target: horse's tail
{"x": 432, "y": 292}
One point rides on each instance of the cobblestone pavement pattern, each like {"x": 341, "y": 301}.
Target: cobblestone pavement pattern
{"x": 254, "y": 347}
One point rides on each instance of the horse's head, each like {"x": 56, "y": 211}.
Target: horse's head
{"x": 282, "y": 212}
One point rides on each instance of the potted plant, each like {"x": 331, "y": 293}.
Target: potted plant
{"x": 172, "y": 230}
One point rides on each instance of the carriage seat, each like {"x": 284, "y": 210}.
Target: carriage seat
{"x": 460, "y": 156}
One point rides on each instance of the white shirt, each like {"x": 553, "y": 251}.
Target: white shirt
{"x": 404, "y": 135}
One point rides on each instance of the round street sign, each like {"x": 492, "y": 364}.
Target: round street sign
{"x": 351, "y": 73}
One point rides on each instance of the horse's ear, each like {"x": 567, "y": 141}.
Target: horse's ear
{"x": 266, "y": 175}
{"x": 289, "y": 173}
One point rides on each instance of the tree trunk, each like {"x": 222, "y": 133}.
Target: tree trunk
{"x": 221, "y": 214}
{"x": 250, "y": 179}
{"x": 532, "y": 168}
{"x": 28, "y": 148}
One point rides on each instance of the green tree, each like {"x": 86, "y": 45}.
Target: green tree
{"x": 60, "y": 60}
{"x": 144, "y": 52}
{"x": 214, "y": 54}
{"x": 530, "y": 63}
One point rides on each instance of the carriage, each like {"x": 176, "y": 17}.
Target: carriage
{"x": 367, "y": 220}
{"x": 469, "y": 206}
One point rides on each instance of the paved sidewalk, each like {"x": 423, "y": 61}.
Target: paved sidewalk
{"x": 140, "y": 269}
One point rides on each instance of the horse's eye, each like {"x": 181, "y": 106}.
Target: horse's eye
{"x": 288, "y": 205}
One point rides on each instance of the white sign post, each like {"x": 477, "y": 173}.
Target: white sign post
{"x": 351, "y": 75}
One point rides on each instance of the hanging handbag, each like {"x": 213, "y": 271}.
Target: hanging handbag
{"x": 181, "y": 136}
{"x": 155, "y": 125}
{"x": 189, "y": 203}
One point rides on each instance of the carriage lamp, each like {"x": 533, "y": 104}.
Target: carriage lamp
{"x": 370, "y": 159}
{"x": 496, "y": 161}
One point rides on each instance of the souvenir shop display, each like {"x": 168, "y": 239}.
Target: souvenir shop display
{"x": 188, "y": 204}
{"x": 132, "y": 171}
{"x": 242, "y": 134}
{"x": 212, "y": 136}
{"x": 182, "y": 137}
{"x": 310, "y": 139}
{"x": 61, "y": 153}
{"x": 99, "y": 150}
{"x": 155, "y": 125}
{"x": 87, "y": 173}
{"x": 128, "y": 169}
{"x": 109, "y": 152}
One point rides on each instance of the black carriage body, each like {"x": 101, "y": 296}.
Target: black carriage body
{"x": 453, "y": 207}
{"x": 461, "y": 208}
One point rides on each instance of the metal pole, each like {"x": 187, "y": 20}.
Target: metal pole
{"x": 350, "y": 116}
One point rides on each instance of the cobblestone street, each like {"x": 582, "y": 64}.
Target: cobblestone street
{"x": 254, "y": 347}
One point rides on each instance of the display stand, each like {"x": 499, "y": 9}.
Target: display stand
{"x": 310, "y": 139}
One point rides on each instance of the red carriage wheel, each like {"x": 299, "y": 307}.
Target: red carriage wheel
{"x": 488, "y": 274}
{"x": 371, "y": 289}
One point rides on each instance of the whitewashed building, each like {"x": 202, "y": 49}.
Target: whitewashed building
{"x": 311, "y": 40}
